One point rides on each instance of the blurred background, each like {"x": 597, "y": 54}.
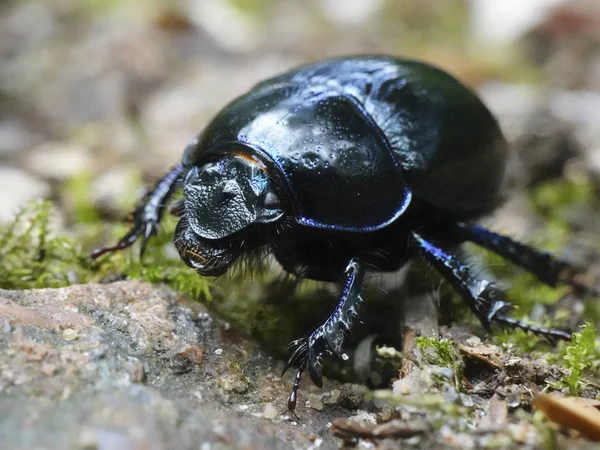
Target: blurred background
{"x": 95, "y": 93}
{"x": 98, "y": 98}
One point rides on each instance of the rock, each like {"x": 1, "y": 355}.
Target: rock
{"x": 125, "y": 365}
{"x": 352, "y": 395}
{"x": 58, "y": 160}
{"x": 112, "y": 190}
{"x": 314, "y": 402}
{"x": 17, "y": 188}
{"x": 270, "y": 412}
{"x": 14, "y": 138}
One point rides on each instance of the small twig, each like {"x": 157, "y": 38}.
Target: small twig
{"x": 351, "y": 430}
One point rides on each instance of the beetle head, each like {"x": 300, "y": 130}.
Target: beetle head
{"x": 227, "y": 195}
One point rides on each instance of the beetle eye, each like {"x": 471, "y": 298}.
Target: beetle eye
{"x": 271, "y": 201}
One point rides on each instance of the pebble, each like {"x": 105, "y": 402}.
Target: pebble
{"x": 14, "y": 138}
{"x": 113, "y": 189}
{"x": 270, "y": 412}
{"x": 58, "y": 160}
{"x": 70, "y": 334}
{"x": 314, "y": 402}
{"x": 473, "y": 341}
{"x": 17, "y": 187}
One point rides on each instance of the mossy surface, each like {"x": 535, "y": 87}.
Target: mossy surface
{"x": 34, "y": 255}
{"x": 581, "y": 357}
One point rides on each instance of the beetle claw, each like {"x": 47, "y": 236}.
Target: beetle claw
{"x": 141, "y": 226}
{"x": 145, "y": 219}
{"x": 309, "y": 354}
{"x": 300, "y": 354}
{"x": 315, "y": 370}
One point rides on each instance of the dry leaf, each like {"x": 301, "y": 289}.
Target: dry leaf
{"x": 484, "y": 353}
{"x": 570, "y": 412}
{"x": 350, "y": 429}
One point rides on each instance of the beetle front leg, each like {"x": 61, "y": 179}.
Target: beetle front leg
{"x": 486, "y": 300}
{"x": 145, "y": 219}
{"x": 329, "y": 336}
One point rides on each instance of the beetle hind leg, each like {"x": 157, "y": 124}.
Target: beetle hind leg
{"x": 486, "y": 300}
{"x": 549, "y": 269}
{"x": 145, "y": 219}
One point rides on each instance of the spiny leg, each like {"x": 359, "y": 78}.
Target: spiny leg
{"x": 329, "y": 336}
{"x": 146, "y": 217}
{"x": 293, "y": 398}
{"x": 542, "y": 264}
{"x": 484, "y": 298}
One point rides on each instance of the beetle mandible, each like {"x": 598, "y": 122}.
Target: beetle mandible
{"x": 343, "y": 166}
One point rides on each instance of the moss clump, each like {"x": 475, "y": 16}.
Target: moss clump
{"x": 77, "y": 190}
{"x": 445, "y": 351}
{"x": 160, "y": 264}
{"x": 550, "y": 199}
{"x": 581, "y": 357}
{"x": 520, "y": 341}
{"x": 33, "y": 255}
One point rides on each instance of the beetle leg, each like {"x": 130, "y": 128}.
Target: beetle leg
{"x": 548, "y": 269}
{"x": 145, "y": 219}
{"x": 329, "y": 336}
{"x": 484, "y": 297}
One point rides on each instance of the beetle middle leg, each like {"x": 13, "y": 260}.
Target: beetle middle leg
{"x": 484, "y": 297}
{"x": 146, "y": 217}
{"x": 329, "y": 336}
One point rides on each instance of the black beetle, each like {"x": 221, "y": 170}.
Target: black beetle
{"x": 341, "y": 166}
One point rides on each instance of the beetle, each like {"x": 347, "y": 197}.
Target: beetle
{"x": 342, "y": 166}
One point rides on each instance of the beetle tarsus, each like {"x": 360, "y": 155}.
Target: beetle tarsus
{"x": 145, "y": 219}
{"x": 549, "y": 333}
{"x": 293, "y": 398}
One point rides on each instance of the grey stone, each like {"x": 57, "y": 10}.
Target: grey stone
{"x": 58, "y": 160}
{"x": 17, "y": 187}
{"x": 116, "y": 384}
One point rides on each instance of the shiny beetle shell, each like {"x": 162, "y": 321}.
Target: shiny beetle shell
{"x": 366, "y": 133}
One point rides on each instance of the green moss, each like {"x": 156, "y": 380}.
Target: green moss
{"x": 581, "y": 357}
{"x": 251, "y": 7}
{"x": 33, "y": 255}
{"x": 158, "y": 265}
{"x": 77, "y": 192}
{"x": 552, "y": 197}
{"x": 445, "y": 350}
{"x": 520, "y": 341}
